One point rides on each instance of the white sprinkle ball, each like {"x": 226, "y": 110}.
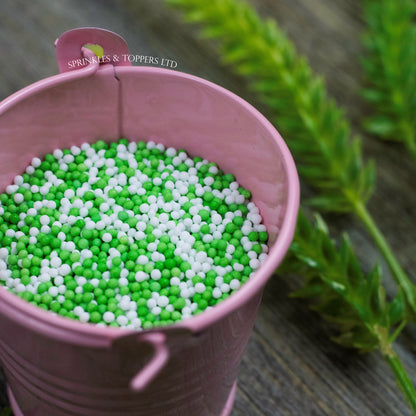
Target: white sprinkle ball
{"x": 36, "y": 162}
{"x": 58, "y": 280}
{"x": 107, "y": 237}
{"x": 64, "y": 269}
{"x": 216, "y": 293}
{"x": 84, "y": 317}
{"x": 235, "y": 284}
{"x": 200, "y": 287}
{"x": 141, "y": 276}
{"x": 155, "y": 274}
{"x": 108, "y": 316}
{"x": 18, "y": 198}
{"x": 122, "y": 320}
{"x": 55, "y": 262}
{"x": 163, "y": 301}
{"x": 156, "y": 310}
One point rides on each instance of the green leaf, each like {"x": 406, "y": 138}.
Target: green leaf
{"x": 381, "y": 126}
{"x": 396, "y": 308}
{"x": 371, "y": 94}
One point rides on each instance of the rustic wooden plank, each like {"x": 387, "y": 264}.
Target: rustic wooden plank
{"x": 290, "y": 366}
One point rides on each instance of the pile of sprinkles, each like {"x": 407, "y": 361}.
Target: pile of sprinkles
{"x": 127, "y": 234}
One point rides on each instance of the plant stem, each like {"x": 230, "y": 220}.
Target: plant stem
{"x": 407, "y": 133}
{"x": 410, "y": 141}
{"x": 402, "y": 379}
{"x": 397, "y": 271}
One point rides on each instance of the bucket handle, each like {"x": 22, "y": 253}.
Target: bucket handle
{"x": 161, "y": 356}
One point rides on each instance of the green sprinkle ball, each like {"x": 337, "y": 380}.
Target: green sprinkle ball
{"x": 127, "y": 234}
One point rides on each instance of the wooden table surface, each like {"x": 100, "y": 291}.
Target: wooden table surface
{"x": 290, "y": 366}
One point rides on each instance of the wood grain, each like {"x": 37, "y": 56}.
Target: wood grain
{"x": 290, "y": 366}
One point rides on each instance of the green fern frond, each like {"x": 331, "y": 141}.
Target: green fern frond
{"x": 315, "y": 129}
{"x": 390, "y": 68}
{"x": 339, "y": 290}
{"x": 343, "y": 295}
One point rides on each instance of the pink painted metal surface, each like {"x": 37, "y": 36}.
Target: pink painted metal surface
{"x": 59, "y": 367}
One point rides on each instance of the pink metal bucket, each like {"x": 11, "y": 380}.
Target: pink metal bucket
{"x": 59, "y": 367}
